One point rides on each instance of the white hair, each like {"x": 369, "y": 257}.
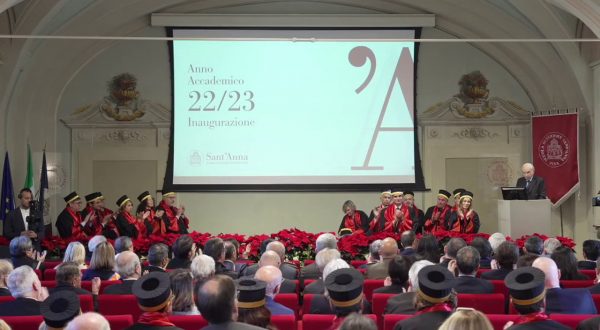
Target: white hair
{"x": 325, "y": 256}
{"x": 126, "y": 263}
{"x": 551, "y": 244}
{"x": 75, "y": 252}
{"x": 94, "y": 241}
{"x": 20, "y": 281}
{"x": 202, "y": 267}
{"x": 334, "y": 265}
{"x": 413, "y": 273}
{"x": 495, "y": 240}
{"x": 326, "y": 240}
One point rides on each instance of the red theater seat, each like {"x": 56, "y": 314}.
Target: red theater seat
{"x": 357, "y": 263}
{"x": 289, "y": 300}
{"x": 4, "y": 299}
{"x": 499, "y": 320}
{"x": 371, "y": 285}
{"x": 87, "y": 285}
{"x": 571, "y": 321}
{"x": 50, "y": 264}
{"x": 49, "y": 274}
{"x": 379, "y": 302}
{"x": 119, "y": 322}
{"x": 390, "y": 320}
{"x": 308, "y": 298}
{"x": 188, "y": 322}
{"x": 284, "y": 322}
{"x": 481, "y": 271}
{"x": 323, "y": 322}
{"x": 308, "y": 262}
{"x": 590, "y": 273}
{"x": 49, "y": 284}
{"x": 500, "y": 287}
{"x": 23, "y": 322}
{"x": 576, "y": 284}
{"x": 596, "y": 298}
{"x": 119, "y": 305}
{"x": 39, "y": 274}
{"x": 492, "y": 303}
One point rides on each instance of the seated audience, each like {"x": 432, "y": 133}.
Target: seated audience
{"x": 495, "y": 240}
{"x": 129, "y": 269}
{"x": 428, "y": 249}
{"x": 451, "y": 249}
{"x": 563, "y": 301}
{"x": 68, "y": 278}
{"x": 550, "y": 244}
{"x": 251, "y": 303}
{"x": 373, "y": 256}
{"x": 203, "y": 268}
{"x": 526, "y": 290}
{"x": 270, "y": 258}
{"x": 467, "y": 319}
{"x": 324, "y": 241}
{"x": 23, "y": 254}
{"x": 397, "y": 280}
{"x": 435, "y": 300}
{"x": 5, "y": 269}
{"x": 102, "y": 264}
{"x": 288, "y": 270}
{"x": 322, "y": 259}
{"x": 88, "y": 321}
{"x": 505, "y": 258}
{"x": 567, "y": 264}
{"x": 123, "y": 243}
{"x": 356, "y": 321}
{"x": 155, "y": 299}
{"x": 345, "y": 292}
{"x": 184, "y": 250}
{"x": 526, "y": 260}
{"x": 379, "y": 271}
{"x": 407, "y": 239}
{"x": 58, "y": 309}
{"x": 591, "y": 252}
{"x": 534, "y": 245}
{"x": 467, "y": 263}
{"x": 215, "y": 248}
{"x": 216, "y": 301}
{"x": 183, "y": 292}
{"x": 75, "y": 252}
{"x": 403, "y": 303}
{"x": 91, "y": 246}
{"x": 485, "y": 251}
{"x": 272, "y": 277}
{"x": 232, "y": 248}
{"x": 158, "y": 258}
{"x": 25, "y": 286}
{"x": 596, "y": 288}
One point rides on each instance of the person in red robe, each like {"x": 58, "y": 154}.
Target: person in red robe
{"x": 128, "y": 224}
{"x": 173, "y": 217}
{"x": 457, "y": 193}
{"x": 386, "y": 200}
{"x": 69, "y": 222}
{"x": 437, "y": 216}
{"x": 356, "y": 221}
{"x": 152, "y": 218}
{"x": 98, "y": 218}
{"x": 464, "y": 220}
{"x": 387, "y": 218}
{"x": 413, "y": 216}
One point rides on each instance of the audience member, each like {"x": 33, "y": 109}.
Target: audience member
{"x": 324, "y": 241}
{"x": 379, "y": 271}
{"x": 345, "y": 292}
{"x": 289, "y": 271}
{"x": 550, "y": 244}
{"x": 435, "y": 300}
{"x": 129, "y": 269}
{"x": 591, "y": 252}
{"x": 526, "y": 260}
{"x": 407, "y": 239}
{"x": 596, "y": 288}
{"x": 495, "y": 240}
{"x": 451, "y": 249}
{"x": 92, "y": 243}
{"x": 428, "y": 249}
{"x": 231, "y": 256}
{"x": 216, "y": 301}
{"x": 397, "y": 280}
{"x": 88, "y": 321}
{"x": 183, "y": 292}
{"x": 506, "y": 257}
{"x": 155, "y": 299}
{"x": 272, "y": 277}
{"x": 203, "y": 268}
{"x": 58, "y": 309}
{"x": 271, "y": 258}
{"x": 5, "y": 268}
{"x": 215, "y": 248}
{"x": 102, "y": 264}
{"x": 373, "y": 256}
{"x": 27, "y": 289}
{"x": 567, "y": 264}
{"x": 526, "y": 289}
{"x": 356, "y": 321}
{"x": 403, "y": 303}
{"x": 534, "y": 245}
{"x": 467, "y": 263}
{"x": 251, "y": 303}
{"x": 158, "y": 258}
{"x": 322, "y": 259}
{"x": 184, "y": 250}
{"x": 484, "y": 248}
{"x": 75, "y": 252}
{"x": 23, "y": 254}
{"x": 467, "y": 319}
{"x": 563, "y": 301}
{"x": 123, "y": 243}
{"x": 68, "y": 278}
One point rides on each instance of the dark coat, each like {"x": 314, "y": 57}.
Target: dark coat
{"x": 20, "y": 307}
{"x": 68, "y": 287}
{"x": 310, "y": 272}
{"x": 496, "y": 274}
{"x": 320, "y": 305}
{"x": 403, "y": 303}
{"x": 468, "y": 284}
{"x": 569, "y": 301}
{"x": 424, "y": 321}
{"x": 394, "y": 288}
{"x": 586, "y": 264}
{"x": 231, "y": 326}
{"x": 536, "y": 189}
{"x": 176, "y": 263}
{"x": 541, "y": 325}
{"x": 122, "y": 288}
{"x": 316, "y": 287}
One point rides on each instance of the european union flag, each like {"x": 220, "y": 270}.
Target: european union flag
{"x": 8, "y": 200}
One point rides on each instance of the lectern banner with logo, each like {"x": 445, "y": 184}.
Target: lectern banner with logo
{"x": 555, "y": 154}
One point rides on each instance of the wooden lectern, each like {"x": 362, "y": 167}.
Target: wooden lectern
{"x": 517, "y": 218}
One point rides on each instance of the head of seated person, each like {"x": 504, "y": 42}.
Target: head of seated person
{"x": 345, "y": 291}
{"x": 185, "y": 248}
{"x": 398, "y": 270}
{"x": 128, "y": 265}
{"x": 88, "y": 321}
{"x": 507, "y": 255}
{"x": 24, "y": 283}
{"x": 467, "y": 261}
{"x": 158, "y": 255}
{"x": 325, "y": 256}
{"x": 534, "y": 245}
{"x": 69, "y": 274}
{"x": 123, "y": 243}
{"x": 216, "y": 300}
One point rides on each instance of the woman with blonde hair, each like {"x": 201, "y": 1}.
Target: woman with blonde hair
{"x": 464, "y": 220}
{"x": 75, "y": 252}
{"x": 466, "y": 319}
{"x": 5, "y": 268}
{"x": 102, "y": 264}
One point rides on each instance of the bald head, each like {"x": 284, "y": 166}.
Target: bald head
{"x": 272, "y": 276}
{"x": 548, "y": 266}
{"x": 278, "y": 248}
{"x": 269, "y": 258}
{"x": 128, "y": 265}
{"x": 389, "y": 248}
{"x": 527, "y": 170}
{"x": 88, "y": 321}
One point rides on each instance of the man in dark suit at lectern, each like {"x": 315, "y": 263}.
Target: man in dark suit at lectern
{"x": 534, "y": 185}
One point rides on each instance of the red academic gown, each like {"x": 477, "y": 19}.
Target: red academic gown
{"x": 358, "y": 222}
{"x": 69, "y": 225}
{"x": 442, "y": 215}
{"x": 172, "y": 224}
{"x": 464, "y": 223}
